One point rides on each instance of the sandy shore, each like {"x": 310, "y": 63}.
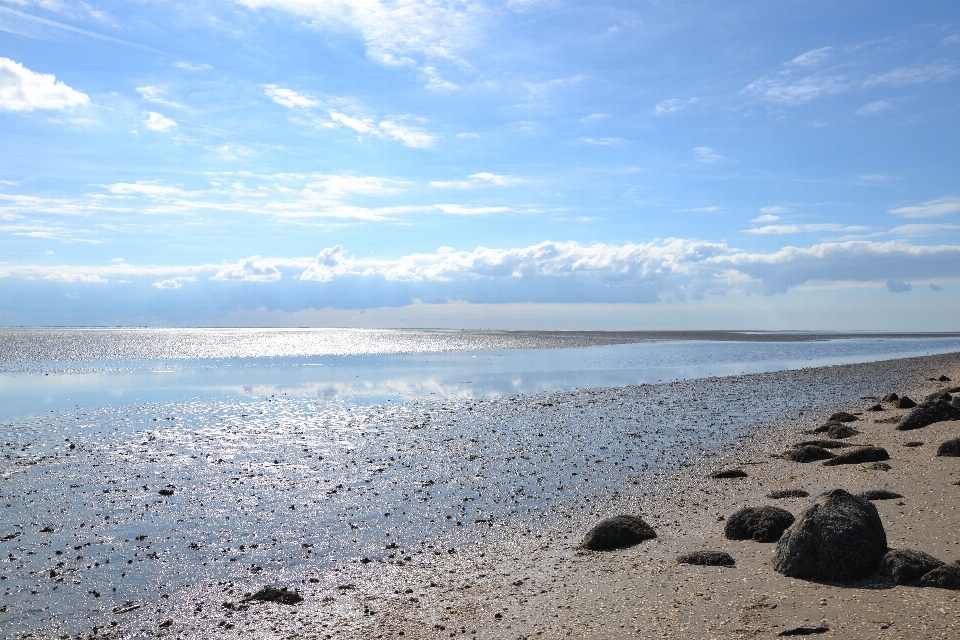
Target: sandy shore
{"x": 529, "y": 578}
{"x": 547, "y": 587}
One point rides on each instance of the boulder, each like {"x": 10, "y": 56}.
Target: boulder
{"x": 843, "y": 416}
{"x": 826, "y": 444}
{"x": 928, "y": 413}
{"x": 905, "y": 403}
{"x": 618, "y": 532}
{"x": 838, "y": 539}
{"x": 730, "y": 473}
{"x": 906, "y": 566}
{"x": 763, "y": 524}
{"x": 809, "y": 453}
{"x": 891, "y": 397}
{"x": 938, "y": 395}
{"x": 878, "y": 494}
{"x": 949, "y": 449}
{"x": 837, "y": 430}
{"x": 788, "y": 493}
{"x": 945, "y": 577}
{"x": 707, "y": 559}
{"x": 859, "y": 456}
{"x": 943, "y": 379}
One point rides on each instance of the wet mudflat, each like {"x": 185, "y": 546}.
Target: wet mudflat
{"x": 166, "y": 519}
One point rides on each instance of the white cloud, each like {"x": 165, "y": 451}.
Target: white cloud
{"x": 435, "y": 82}
{"x": 774, "y": 209}
{"x": 707, "y": 154}
{"x": 912, "y": 75}
{"x": 167, "y": 284}
{"x": 603, "y": 142}
{"x": 89, "y": 278}
{"x": 289, "y": 98}
{"x": 158, "y": 122}
{"x": 812, "y": 58}
{"x": 873, "y": 108}
{"x": 784, "y": 229}
{"x": 673, "y": 105}
{"x": 468, "y": 134}
{"x": 254, "y": 269}
{"x": 481, "y": 179}
{"x": 796, "y": 91}
{"x": 395, "y": 32}
{"x": 24, "y": 90}
{"x": 469, "y": 210}
{"x": 954, "y": 39}
{"x": 409, "y": 136}
{"x": 595, "y": 117}
{"x": 189, "y": 66}
{"x": 767, "y": 217}
{"x": 917, "y": 230}
{"x": 898, "y": 286}
{"x": 930, "y": 208}
{"x": 155, "y": 94}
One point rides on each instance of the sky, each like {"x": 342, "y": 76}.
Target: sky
{"x": 510, "y": 164}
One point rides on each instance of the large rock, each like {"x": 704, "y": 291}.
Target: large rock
{"x": 891, "y": 397}
{"x": 878, "y": 494}
{"x": 945, "y": 577}
{"x": 838, "y": 539}
{"x": 707, "y": 559}
{"x": 808, "y": 453}
{"x": 837, "y": 430}
{"x": 618, "y": 532}
{"x": 826, "y": 444}
{"x": 949, "y": 449}
{"x": 928, "y": 413}
{"x": 905, "y": 403}
{"x": 763, "y": 524}
{"x": 938, "y": 395}
{"x": 906, "y": 566}
{"x": 859, "y": 456}
{"x": 842, "y": 416}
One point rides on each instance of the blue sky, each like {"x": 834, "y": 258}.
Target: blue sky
{"x": 764, "y": 165}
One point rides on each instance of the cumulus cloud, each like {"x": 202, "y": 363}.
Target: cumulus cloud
{"x": 930, "y": 208}
{"x": 158, "y": 122}
{"x": 766, "y": 217}
{"x": 898, "y": 286}
{"x": 62, "y": 276}
{"x": 167, "y": 284}
{"x": 396, "y": 33}
{"x": 24, "y": 90}
{"x": 289, "y": 98}
{"x": 254, "y": 269}
{"x": 409, "y": 136}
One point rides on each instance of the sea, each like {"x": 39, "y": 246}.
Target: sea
{"x": 143, "y": 469}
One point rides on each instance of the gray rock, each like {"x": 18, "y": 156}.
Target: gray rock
{"x": 280, "y": 595}
{"x": 945, "y": 577}
{"x": 730, "y": 473}
{"x": 804, "y": 631}
{"x": 949, "y": 449}
{"x": 905, "y": 403}
{"x": 938, "y": 395}
{"x": 878, "y": 494}
{"x": 809, "y": 453}
{"x": 707, "y": 559}
{"x": 955, "y": 402}
{"x": 763, "y": 524}
{"x": 826, "y": 444}
{"x": 891, "y": 397}
{"x": 943, "y": 379}
{"x": 914, "y": 444}
{"x": 618, "y": 532}
{"x": 843, "y": 416}
{"x": 876, "y": 407}
{"x": 788, "y": 493}
{"x": 906, "y": 566}
{"x": 838, "y": 539}
{"x": 928, "y": 413}
{"x": 859, "y": 456}
{"x": 837, "y": 430}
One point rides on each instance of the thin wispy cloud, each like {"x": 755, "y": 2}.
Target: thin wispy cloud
{"x": 930, "y": 208}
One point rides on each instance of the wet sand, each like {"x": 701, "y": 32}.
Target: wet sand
{"x": 508, "y": 568}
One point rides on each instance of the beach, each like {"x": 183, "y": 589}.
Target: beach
{"x": 464, "y": 517}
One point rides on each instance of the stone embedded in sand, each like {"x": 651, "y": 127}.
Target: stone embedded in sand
{"x": 618, "y": 532}
{"x": 945, "y": 577}
{"x": 953, "y": 390}
{"x": 165, "y": 492}
{"x": 949, "y": 449}
{"x": 843, "y": 416}
{"x": 955, "y": 402}
{"x": 938, "y": 395}
{"x": 914, "y": 444}
{"x": 838, "y": 539}
{"x": 826, "y": 444}
{"x": 762, "y": 524}
{"x": 905, "y": 403}
{"x": 788, "y": 493}
{"x": 804, "y": 631}
{"x": 927, "y": 414}
{"x": 809, "y": 453}
{"x": 837, "y": 430}
{"x": 943, "y": 379}
{"x": 729, "y": 473}
{"x": 880, "y": 466}
{"x": 905, "y": 566}
{"x": 707, "y": 559}
{"x": 280, "y": 595}
{"x": 878, "y": 494}
{"x": 859, "y": 456}
{"x": 876, "y": 407}
{"x": 891, "y": 397}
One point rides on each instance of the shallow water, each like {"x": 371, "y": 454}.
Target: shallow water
{"x": 33, "y": 387}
